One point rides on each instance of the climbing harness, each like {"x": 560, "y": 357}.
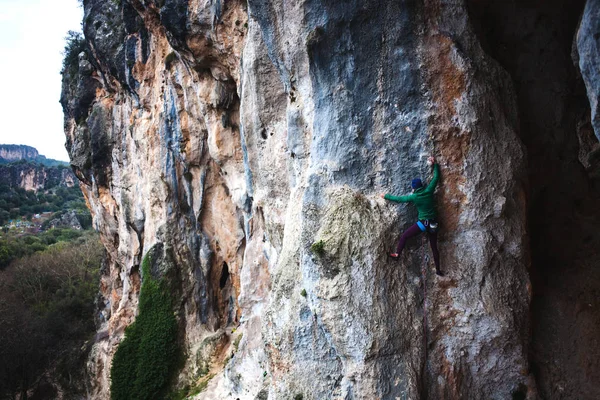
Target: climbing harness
{"x": 428, "y": 225}
{"x": 433, "y": 226}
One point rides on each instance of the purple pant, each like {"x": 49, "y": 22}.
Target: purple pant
{"x": 414, "y": 231}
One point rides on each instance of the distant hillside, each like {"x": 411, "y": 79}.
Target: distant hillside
{"x": 30, "y": 175}
{"x": 16, "y": 152}
{"x": 28, "y": 188}
{"x": 16, "y": 202}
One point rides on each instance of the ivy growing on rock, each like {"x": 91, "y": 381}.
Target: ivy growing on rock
{"x": 146, "y": 359}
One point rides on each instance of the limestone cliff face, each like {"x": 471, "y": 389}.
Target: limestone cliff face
{"x": 36, "y": 177}
{"x": 228, "y": 137}
{"x": 13, "y": 152}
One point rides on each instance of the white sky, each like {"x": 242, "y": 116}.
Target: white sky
{"x": 32, "y": 36}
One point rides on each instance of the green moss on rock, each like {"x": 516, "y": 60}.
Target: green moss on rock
{"x": 146, "y": 359}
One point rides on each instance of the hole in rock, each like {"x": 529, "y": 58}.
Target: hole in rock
{"x": 224, "y": 275}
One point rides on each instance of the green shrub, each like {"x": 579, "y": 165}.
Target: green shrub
{"x": 75, "y": 44}
{"x": 85, "y": 219}
{"x": 303, "y": 293}
{"x": 146, "y": 359}
{"x": 318, "y": 248}
{"x": 68, "y": 234}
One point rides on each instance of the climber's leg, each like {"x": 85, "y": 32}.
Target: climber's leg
{"x": 434, "y": 249}
{"x": 410, "y": 232}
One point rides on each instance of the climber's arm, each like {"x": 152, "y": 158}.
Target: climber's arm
{"x": 435, "y": 179}
{"x": 399, "y": 199}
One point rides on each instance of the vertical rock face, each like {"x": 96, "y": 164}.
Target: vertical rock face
{"x": 372, "y": 90}
{"x": 533, "y": 43}
{"x": 36, "y": 177}
{"x": 17, "y": 152}
{"x": 588, "y": 39}
{"x": 233, "y": 136}
{"x": 13, "y": 152}
{"x": 587, "y": 57}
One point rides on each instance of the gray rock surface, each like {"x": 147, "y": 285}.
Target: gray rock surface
{"x": 32, "y": 176}
{"x": 12, "y": 152}
{"x": 588, "y": 47}
{"x": 233, "y": 136}
{"x": 66, "y": 220}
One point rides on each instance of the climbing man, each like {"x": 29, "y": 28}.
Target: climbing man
{"x": 422, "y": 197}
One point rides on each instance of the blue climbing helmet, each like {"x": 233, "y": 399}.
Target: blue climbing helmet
{"x": 416, "y": 183}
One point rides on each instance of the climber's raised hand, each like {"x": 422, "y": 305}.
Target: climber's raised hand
{"x": 431, "y": 160}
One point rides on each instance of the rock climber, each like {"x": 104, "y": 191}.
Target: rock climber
{"x": 422, "y": 198}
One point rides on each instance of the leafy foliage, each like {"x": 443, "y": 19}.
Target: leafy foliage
{"x": 318, "y": 248}
{"x": 75, "y": 44}
{"x": 16, "y": 202}
{"x": 146, "y": 359}
{"x": 46, "y": 315}
{"x": 15, "y": 247}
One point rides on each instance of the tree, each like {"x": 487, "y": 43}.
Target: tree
{"x": 46, "y": 314}
{"x": 75, "y": 44}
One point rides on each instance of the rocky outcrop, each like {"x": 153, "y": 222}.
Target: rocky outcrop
{"x": 234, "y": 136}
{"x": 17, "y": 152}
{"x": 22, "y": 166}
{"x": 14, "y": 152}
{"x": 534, "y": 45}
{"x": 588, "y": 39}
{"x": 32, "y": 176}
{"x": 66, "y": 220}
{"x": 587, "y": 58}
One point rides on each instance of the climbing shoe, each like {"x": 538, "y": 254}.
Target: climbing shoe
{"x": 394, "y": 256}
{"x": 439, "y": 272}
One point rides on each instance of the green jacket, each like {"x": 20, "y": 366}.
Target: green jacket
{"x": 422, "y": 197}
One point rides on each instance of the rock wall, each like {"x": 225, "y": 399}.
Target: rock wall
{"x": 586, "y": 55}
{"x": 229, "y": 137}
{"x": 36, "y": 177}
{"x": 16, "y": 152}
{"x": 12, "y": 152}
{"x": 534, "y": 44}
{"x": 589, "y": 61}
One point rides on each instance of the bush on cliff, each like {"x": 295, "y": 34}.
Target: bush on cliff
{"x": 75, "y": 44}
{"x": 146, "y": 359}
